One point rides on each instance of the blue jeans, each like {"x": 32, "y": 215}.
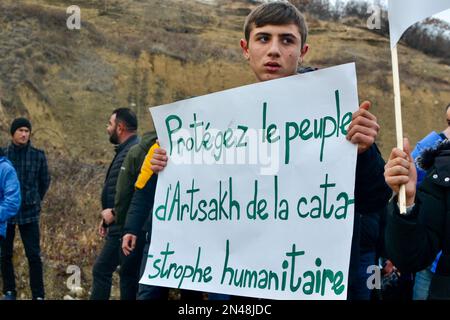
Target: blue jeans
{"x": 422, "y": 284}
{"x": 29, "y": 232}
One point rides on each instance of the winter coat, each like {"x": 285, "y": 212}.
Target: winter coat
{"x": 10, "y": 197}
{"x": 32, "y": 171}
{"x": 413, "y": 240}
{"x": 128, "y": 175}
{"x": 109, "y": 187}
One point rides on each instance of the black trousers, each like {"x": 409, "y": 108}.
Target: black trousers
{"x": 130, "y": 269}
{"x": 30, "y": 235}
{"x": 105, "y": 264}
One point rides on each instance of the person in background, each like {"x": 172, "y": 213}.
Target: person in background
{"x": 130, "y": 262}
{"x": 10, "y": 197}
{"x": 138, "y": 221}
{"x": 414, "y": 239}
{"x": 121, "y": 129}
{"x": 423, "y": 278}
{"x": 32, "y": 170}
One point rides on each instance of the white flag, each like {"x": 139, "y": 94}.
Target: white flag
{"x": 404, "y": 13}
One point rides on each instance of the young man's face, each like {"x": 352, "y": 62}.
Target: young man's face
{"x": 274, "y": 51}
{"x": 21, "y": 136}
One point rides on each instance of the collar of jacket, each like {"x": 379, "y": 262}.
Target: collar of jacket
{"x": 441, "y": 173}
{"x": 428, "y": 156}
{"x": 147, "y": 140}
{"x": 302, "y": 70}
{"x": 123, "y": 145}
{"x": 17, "y": 148}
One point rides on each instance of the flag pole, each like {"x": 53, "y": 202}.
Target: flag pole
{"x": 398, "y": 121}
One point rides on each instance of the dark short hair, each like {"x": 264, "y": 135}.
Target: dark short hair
{"x": 448, "y": 107}
{"x": 127, "y": 117}
{"x": 276, "y": 13}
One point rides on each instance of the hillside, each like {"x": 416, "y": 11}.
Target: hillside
{"x": 151, "y": 52}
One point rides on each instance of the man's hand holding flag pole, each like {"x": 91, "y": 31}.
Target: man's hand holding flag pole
{"x": 402, "y": 15}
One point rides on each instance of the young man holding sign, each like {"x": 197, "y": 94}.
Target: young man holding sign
{"x": 275, "y": 46}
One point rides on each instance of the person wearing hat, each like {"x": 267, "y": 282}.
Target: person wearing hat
{"x": 32, "y": 170}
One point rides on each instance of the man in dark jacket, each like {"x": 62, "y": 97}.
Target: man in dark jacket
{"x": 139, "y": 222}
{"x": 32, "y": 170}
{"x": 414, "y": 239}
{"x": 121, "y": 129}
{"x": 130, "y": 263}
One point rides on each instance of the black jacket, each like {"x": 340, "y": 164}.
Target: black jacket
{"x": 371, "y": 191}
{"x": 139, "y": 217}
{"x": 413, "y": 240}
{"x": 371, "y": 197}
{"x": 109, "y": 187}
{"x": 128, "y": 175}
{"x": 32, "y": 170}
